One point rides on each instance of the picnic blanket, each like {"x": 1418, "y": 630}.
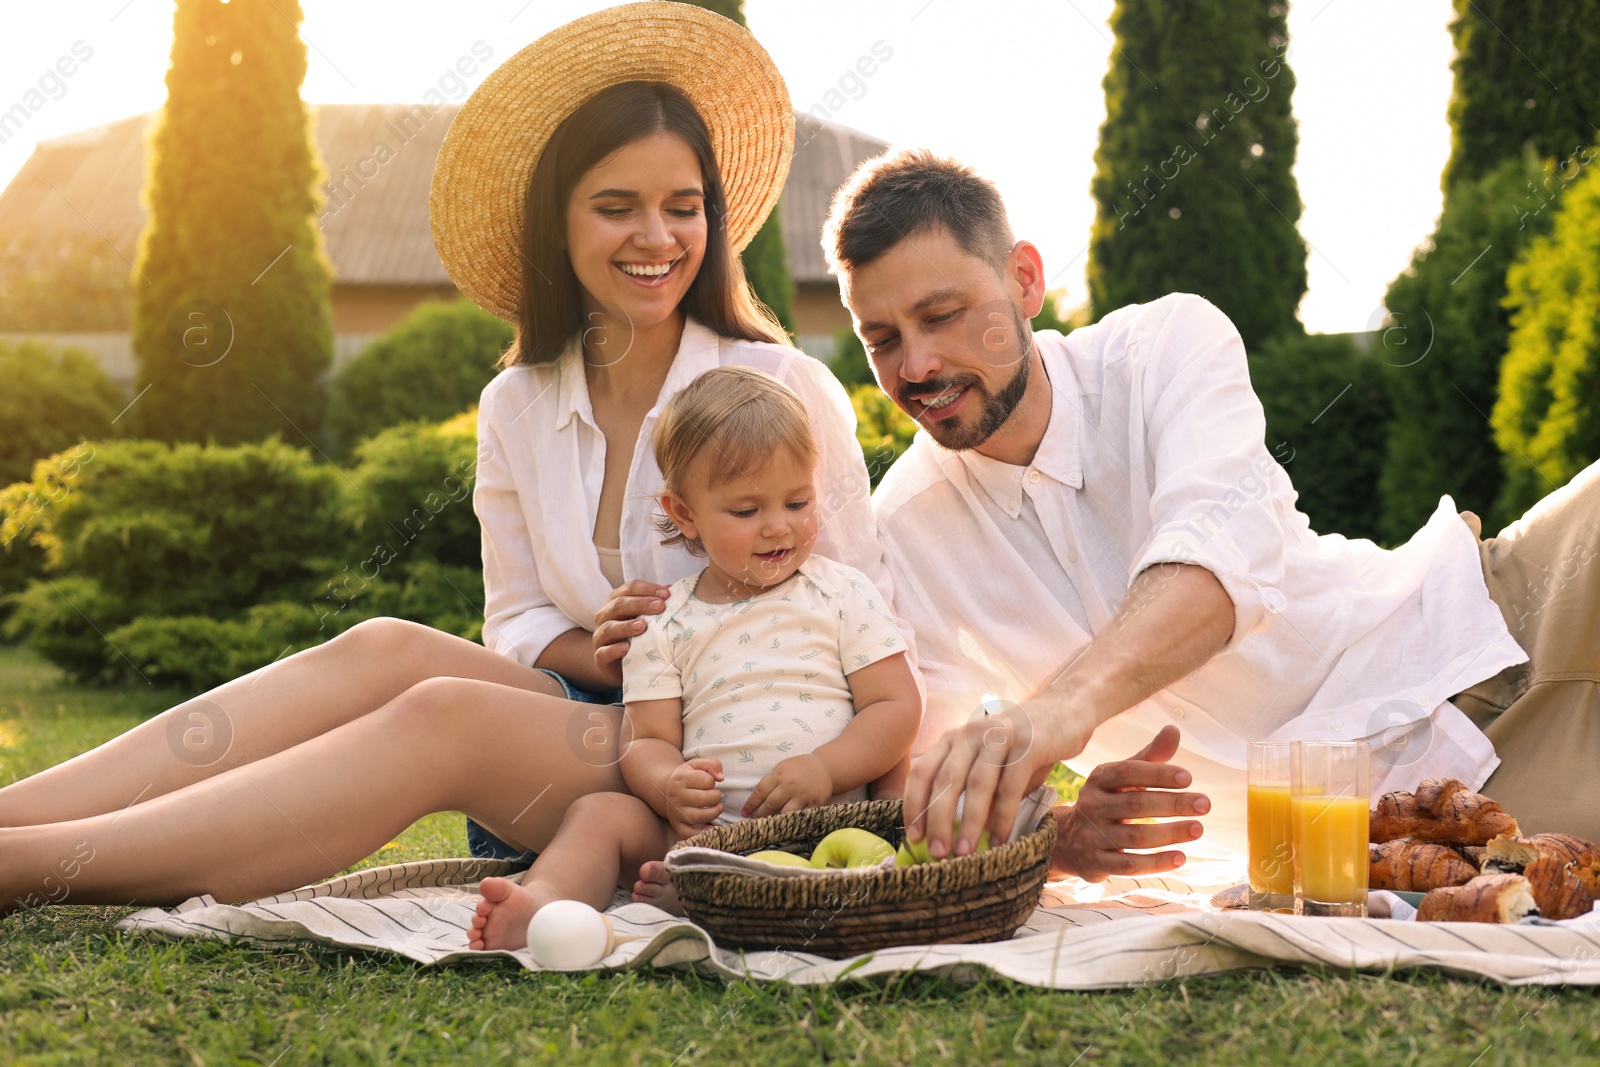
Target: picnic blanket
{"x": 1123, "y": 932}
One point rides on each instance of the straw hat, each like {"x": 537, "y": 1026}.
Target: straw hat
{"x": 488, "y": 155}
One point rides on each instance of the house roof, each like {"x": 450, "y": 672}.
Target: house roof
{"x": 375, "y": 224}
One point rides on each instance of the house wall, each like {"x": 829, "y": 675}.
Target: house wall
{"x": 818, "y": 315}
{"x": 372, "y": 309}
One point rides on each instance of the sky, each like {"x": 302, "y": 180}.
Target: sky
{"x": 1009, "y": 86}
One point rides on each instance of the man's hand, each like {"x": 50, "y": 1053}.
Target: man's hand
{"x": 797, "y": 783}
{"x": 618, "y": 620}
{"x": 693, "y": 796}
{"x": 996, "y": 761}
{"x": 1095, "y": 832}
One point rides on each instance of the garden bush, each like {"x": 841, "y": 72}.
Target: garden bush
{"x": 411, "y": 491}
{"x": 883, "y": 430}
{"x": 1328, "y": 424}
{"x": 141, "y": 528}
{"x": 53, "y": 398}
{"x": 431, "y": 366}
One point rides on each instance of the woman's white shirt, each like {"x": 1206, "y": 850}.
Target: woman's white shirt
{"x": 541, "y": 462}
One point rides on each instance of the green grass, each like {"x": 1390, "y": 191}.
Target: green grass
{"x": 72, "y": 991}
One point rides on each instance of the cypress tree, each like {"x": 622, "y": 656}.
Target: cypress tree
{"x": 766, "y": 262}
{"x": 232, "y": 317}
{"x": 1547, "y": 418}
{"x": 1193, "y": 184}
{"x": 1443, "y": 345}
{"x": 1527, "y": 73}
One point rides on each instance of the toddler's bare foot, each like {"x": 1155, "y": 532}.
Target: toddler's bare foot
{"x": 502, "y": 917}
{"x": 654, "y": 887}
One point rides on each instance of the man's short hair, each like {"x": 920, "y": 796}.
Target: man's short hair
{"x": 909, "y": 191}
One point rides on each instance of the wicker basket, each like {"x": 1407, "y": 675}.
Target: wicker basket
{"x": 984, "y": 896}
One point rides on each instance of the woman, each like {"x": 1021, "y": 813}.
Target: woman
{"x": 625, "y": 285}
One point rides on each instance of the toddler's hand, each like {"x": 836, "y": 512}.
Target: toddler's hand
{"x": 693, "y": 795}
{"x": 797, "y": 783}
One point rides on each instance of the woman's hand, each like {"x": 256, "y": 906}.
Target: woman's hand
{"x": 618, "y": 620}
{"x": 797, "y": 783}
{"x": 1096, "y": 831}
{"x": 693, "y": 796}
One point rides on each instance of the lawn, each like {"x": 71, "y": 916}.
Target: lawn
{"x": 72, "y": 991}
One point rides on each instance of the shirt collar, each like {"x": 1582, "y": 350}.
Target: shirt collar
{"x": 698, "y": 352}
{"x": 1058, "y": 454}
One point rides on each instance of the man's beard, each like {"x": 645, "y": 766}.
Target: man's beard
{"x": 996, "y": 407}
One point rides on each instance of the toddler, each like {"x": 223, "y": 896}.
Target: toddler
{"x": 774, "y": 680}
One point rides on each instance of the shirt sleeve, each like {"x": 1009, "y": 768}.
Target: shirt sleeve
{"x": 519, "y": 619}
{"x": 1211, "y": 501}
{"x": 867, "y": 633}
{"x": 648, "y": 670}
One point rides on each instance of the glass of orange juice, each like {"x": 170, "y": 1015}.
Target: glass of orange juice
{"x": 1271, "y": 852}
{"x": 1328, "y": 822}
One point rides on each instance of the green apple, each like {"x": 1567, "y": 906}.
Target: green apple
{"x": 851, "y": 847}
{"x": 783, "y": 859}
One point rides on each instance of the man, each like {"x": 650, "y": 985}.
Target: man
{"x": 1091, "y": 540}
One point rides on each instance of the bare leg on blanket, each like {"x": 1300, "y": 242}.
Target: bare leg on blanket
{"x": 603, "y": 835}
{"x": 250, "y": 718}
{"x": 511, "y": 759}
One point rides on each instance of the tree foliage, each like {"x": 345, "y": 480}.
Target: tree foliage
{"x": 1526, "y": 76}
{"x": 1547, "y": 416}
{"x": 232, "y": 320}
{"x": 62, "y": 280}
{"x": 1442, "y": 346}
{"x": 1193, "y": 186}
{"x": 431, "y": 365}
{"x": 766, "y": 263}
{"x": 1327, "y": 421}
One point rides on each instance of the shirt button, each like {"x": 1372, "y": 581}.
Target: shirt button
{"x": 1338, "y": 726}
{"x": 1177, "y": 713}
{"x": 1075, "y": 479}
{"x": 1033, "y": 476}
{"x": 1072, "y": 555}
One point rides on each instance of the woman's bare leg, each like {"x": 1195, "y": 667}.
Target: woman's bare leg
{"x": 513, "y": 760}
{"x": 249, "y": 718}
{"x": 602, "y": 836}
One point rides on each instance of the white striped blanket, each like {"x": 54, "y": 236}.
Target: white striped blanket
{"x": 1125, "y": 932}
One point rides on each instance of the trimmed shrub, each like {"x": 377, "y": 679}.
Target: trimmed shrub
{"x": 53, "y": 398}
{"x": 411, "y": 491}
{"x": 142, "y": 528}
{"x": 1327, "y": 423}
{"x": 432, "y": 365}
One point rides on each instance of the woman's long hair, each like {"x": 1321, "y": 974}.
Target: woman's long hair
{"x": 552, "y": 302}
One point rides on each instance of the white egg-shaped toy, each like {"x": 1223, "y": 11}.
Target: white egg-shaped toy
{"x": 568, "y": 935}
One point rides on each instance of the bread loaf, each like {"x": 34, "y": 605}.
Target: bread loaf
{"x": 1488, "y": 898}
{"x": 1408, "y": 864}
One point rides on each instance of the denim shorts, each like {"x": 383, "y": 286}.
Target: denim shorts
{"x": 484, "y": 845}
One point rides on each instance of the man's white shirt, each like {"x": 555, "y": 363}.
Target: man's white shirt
{"x": 1155, "y": 453}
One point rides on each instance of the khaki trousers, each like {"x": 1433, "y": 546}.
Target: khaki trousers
{"x": 1543, "y": 716}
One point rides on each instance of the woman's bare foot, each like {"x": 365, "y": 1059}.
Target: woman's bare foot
{"x": 502, "y": 918}
{"x": 654, "y": 887}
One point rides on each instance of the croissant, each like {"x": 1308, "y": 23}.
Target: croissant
{"x": 1510, "y": 854}
{"x": 1488, "y": 898}
{"x": 1559, "y": 892}
{"x": 1440, "y": 810}
{"x": 1587, "y": 871}
{"x": 1407, "y": 864}
{"x": 1473, "y": 854}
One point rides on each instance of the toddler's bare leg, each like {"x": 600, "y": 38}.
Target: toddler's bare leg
{"x": 266, "y": 711}
{"x": 603, "y": 835}
{"x": 513, "y": 760}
